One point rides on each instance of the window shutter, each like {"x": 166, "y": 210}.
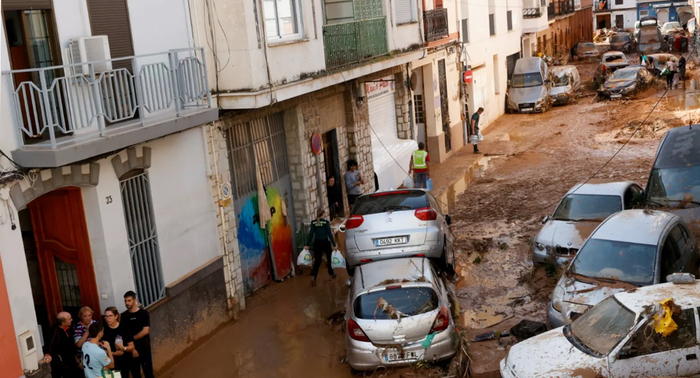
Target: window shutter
{"x": 10, "y": 5}
{"x": 465, "y": 30}
{"x": 404, "y": 11}
{"x": 111, "y": 18}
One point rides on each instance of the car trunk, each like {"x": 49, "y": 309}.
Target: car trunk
{"x": 390, "y": 230}
{"x": 375, "y": 313}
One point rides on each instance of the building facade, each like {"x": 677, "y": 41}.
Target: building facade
{"x": 491, "y": 37}
{"x": 106, "y": 182}
{"x": 665, "y": 11}
{"x": 620, "y": 14}
{"x": 535, "y": 25}
{"x": 570, "y": 22}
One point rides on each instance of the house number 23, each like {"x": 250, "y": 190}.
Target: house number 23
{"x": 109, "y": 200}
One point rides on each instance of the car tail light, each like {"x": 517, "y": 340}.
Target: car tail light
{"x": 355, "y": 332}
{"x": 420, "y": 255}
{"x": 366, "y": 260}
{"x": 354, "y": 221}
{"x": 426, "y": 214}
{"x": 389, "y": 193}
{"x": 441, "y": 322}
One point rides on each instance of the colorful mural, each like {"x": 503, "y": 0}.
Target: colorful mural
{"x": 255, "y": 261}
{"x": 280, "y": 235}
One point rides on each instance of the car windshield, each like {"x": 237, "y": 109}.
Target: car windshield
{"x": 620, "y": 38}
{"x": 616, "y": 260}
{"x": 672, "y": 25}
{"x": 390, "y": 201}
{"x": 673, "y": 186}
{"x": 624, "y": 75}
{"x": 408, "y": 301}
{"x": 526, "y": 80}
{"x": 587, "y": 207}
{"x": 618, "y": 58}
{"x": 602, "y": 327}
{"x": 561, "y": 81}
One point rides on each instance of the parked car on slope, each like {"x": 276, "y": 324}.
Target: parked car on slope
{"x": 398, "y": 312}
{"x": 528, "y": 89}
{"x": 616, "y": 339}
{"x": 626, "y": 82}
{"x": 398, "y": 223}
{"x": 580, "y": 211}
{"x": 610, "y": 62}
{"x": 623, "y": 42}
{"x": 659, "y": 61}
{"x": 566, "y": 82}
{"x": 631, "y": 248}
{"x": 587, "y": 50}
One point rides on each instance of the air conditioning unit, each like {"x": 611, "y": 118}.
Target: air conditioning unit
{"x": 88, "y": 49}
{"x": 28, "y": 348}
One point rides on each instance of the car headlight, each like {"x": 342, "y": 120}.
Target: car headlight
{"x": 540, "y": 246}
{"x": 557, "y": 297}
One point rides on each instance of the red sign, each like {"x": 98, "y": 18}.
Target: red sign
{"x": 467, "y": 77}
{"x": 316, "y": 143}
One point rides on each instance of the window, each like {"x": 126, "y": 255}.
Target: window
{"x": 420, "y": 115}
{"x": 543, "y": 3}
{"x": 492, "y": 24}
{"x": 496, "y": 78}
{"x": 143, "y": 238}
{"x": 602, "y": 327}
{"x": 669, "y": 256}
{"x": 282, "y": 18}
{"x": 619, "y": 2}
{"x": 405, "y": 11}
{"x": 643, "y": 13}
{"x": 619, "y": 21}
{"x": 678, "y": 234}
{"x": 509, "y": 16}
{"x": 647, "y": 341}
{"x": 465, "y": 30}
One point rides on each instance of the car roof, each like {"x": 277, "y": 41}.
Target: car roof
{"x": 601, "y": 187}
{"x": 680, "y": 147}
{"x": 610, "y": 53}
{"x": 684, "y": 295}
{"x": 531, "y": 64}
{"x": 625, "y": 226}
{"x": 375, "y": 273}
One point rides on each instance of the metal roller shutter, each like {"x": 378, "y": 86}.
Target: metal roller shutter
{"x": 111, "y": 18}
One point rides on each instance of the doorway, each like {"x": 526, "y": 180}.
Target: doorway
{"x": 59, "y": 260}
{"x": 444, "y": 107}
{"x": 603, "y": 21}
{"x": 331, "y": 162}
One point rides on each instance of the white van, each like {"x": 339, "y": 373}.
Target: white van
{"x": 528, "y": 89}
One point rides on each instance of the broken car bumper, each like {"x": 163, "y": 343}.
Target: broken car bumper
{"x": 556, "y": 319}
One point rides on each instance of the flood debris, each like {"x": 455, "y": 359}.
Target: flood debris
{"x": 527, "y": 329}
{"x": 663, "y": 318}
{"x": 388, "y": 309}
{"x": 337, "y": 320}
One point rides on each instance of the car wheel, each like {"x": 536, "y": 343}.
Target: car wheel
{"x": 351, "y": 271}
{"x": 446, "y": 265}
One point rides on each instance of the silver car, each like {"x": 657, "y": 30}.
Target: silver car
{"x": 398, "y": 312}
{"x": 631, "y": 248}
{"x": 580, "y": 211}
{"x": 398, "y": 223}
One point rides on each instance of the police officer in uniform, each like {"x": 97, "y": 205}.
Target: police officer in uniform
{"x": 322, "y": 236}
{"x": 419, "y": 166}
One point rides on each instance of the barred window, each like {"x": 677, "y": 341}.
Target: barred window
{"x": 143, "y": 238}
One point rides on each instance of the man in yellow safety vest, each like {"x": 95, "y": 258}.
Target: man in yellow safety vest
{"x": 419, "y": 166}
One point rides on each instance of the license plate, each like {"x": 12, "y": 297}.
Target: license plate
{"x": 527, "y": 109}
{"x": 396, "y": 356}
{"x": 616, "y": 96}
{"x": 391, "y": 241}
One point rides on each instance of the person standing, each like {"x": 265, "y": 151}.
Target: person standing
{"x": 353, "y": 182}
{"x": 97, "y": 354}
{"x": 120, "y": 341}
{"x": 670, "y": 73}
{"x": 80, "y": 330}
{"x": 475, "y": 129}
{"x": 335, "y": 197}
{"x": 322, "y": 236}
{"x": 60, "y": 350}
{"x": 138, "y": 322}
{"x": 419, "y": 166}
{"x": 681, "y": 69}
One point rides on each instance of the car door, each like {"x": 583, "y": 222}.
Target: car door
{"x": 634, "y": 195}
{"x": 649, "y": 354}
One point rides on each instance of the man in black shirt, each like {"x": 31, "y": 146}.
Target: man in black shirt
{"x": 475, "y": 130}
{"x": 335, "y": 197}
{"x": 60, "y": 350}
{"x": 138, "y": 323}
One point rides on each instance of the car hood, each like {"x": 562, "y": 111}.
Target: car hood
{"x": 552, "y": 355}
{"x": 591, "y": 292}
{"x": 560, "y": 90}
{"x": 615, "y": 84}
{"x": 566, "y": 234}
{"x": 525, "y": 95}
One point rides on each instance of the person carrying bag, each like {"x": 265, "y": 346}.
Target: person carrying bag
{"x": 322, "y": 236}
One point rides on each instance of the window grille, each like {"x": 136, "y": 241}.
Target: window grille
{"x": 143, "y": 238}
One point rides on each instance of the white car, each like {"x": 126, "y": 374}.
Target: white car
{"x": 617, "y": 339}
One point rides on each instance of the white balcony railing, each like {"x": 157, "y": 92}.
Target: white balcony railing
{"x": 72, "y": 99}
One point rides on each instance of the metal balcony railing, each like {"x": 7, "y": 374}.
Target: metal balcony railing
{"x": 352, "y": 42}
{"x": 435, "y": 21}
{"x": 532, "y": 12}
{"x": 564, "y": 7}
{"x": 550, "y": 11}
{"x": 601, "y": 6}
{"x": 75, "y": 98}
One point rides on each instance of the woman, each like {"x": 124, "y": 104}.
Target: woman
{"x": 120, "y": 341}
{"x": 322, "y": 236}
{"x": 80, "y": 333}
{"x": 353, "y": 182}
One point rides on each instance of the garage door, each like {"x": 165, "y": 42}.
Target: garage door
{"x": 389, "y": 153}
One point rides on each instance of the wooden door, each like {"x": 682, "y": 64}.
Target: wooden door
{"x": 63, "y": 250}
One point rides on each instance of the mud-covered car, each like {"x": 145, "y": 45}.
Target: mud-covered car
{"x": 581, "y": 210}
{"x": 630, "y": 249}
{"x": 617, "y": 339}
{"x": 626, "y": 82}
{"x": 658, "y": 61}
{"x": 610, "y": 62}
{"x": 398, "y": 312}
{"x": 649, "y": 38}
{"x": 587, "y": 50}
{"x": 566, "y": 82}
{"x": 671, "y": 27}
{"x": 623, "y": 42}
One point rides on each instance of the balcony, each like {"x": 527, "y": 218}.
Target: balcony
{"x": 601, "y": 6}
{"x": 435, "y": 21}
{"x": 69, "y": 113}
{"x": 353, "y": 42}
{"x": 532, "y": 12}
{"x": 550, "y": 11}
{"x": 564, "y": 7}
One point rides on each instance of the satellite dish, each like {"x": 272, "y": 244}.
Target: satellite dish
{"x": 414, "y": 81}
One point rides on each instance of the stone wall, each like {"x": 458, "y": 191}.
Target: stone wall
{"x": 403, "y": 114}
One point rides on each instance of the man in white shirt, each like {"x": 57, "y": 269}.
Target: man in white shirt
{"x": 97, "y": 355}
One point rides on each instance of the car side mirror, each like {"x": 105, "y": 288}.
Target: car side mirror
{"x": 545, "y": 219}
{"x": 628, "y": 351}
{"x": 341, "y": 228}
{"x": 448, "y": 219}
{"x": 509, "y": 82}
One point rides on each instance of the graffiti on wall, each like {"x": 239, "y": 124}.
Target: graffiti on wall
{"x": 255, "y": 261}
{"x": 280, "y": 236}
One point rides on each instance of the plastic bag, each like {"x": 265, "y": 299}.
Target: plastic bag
{"x": 337, "y": 260}
{"x": 408, "y": 183}
{"x": 664, "y": 324}
{"x": 304, "y": 258}
{"x": 111, "y": 374}
{"x": 429, "y": 184}
{"x": 474, "y": 139}
{"x": 481, "y": 137}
